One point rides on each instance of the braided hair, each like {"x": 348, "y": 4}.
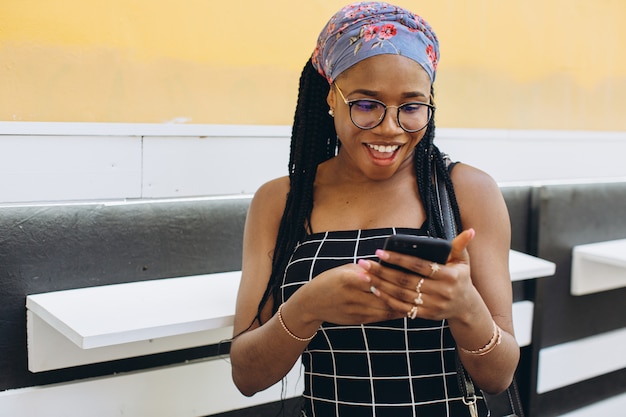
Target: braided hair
{"x": 313, "y": 141}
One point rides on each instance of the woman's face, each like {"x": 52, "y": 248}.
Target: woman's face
{"x": 394, "y": 80}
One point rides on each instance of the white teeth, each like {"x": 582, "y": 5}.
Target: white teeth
{"x": 385, "y": 149}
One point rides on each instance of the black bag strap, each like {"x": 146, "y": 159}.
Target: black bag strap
{"x": 467, "y": 387}
{"x": 443, "y": 200}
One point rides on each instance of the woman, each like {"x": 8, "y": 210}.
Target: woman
{"x": 374, "y": 340}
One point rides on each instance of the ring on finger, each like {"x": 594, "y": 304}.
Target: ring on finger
{"x": 412, "y": 313}
{"x": 418, "y": 288}
{"x": 418, "y": 301}
{"x": 434, "y": 268}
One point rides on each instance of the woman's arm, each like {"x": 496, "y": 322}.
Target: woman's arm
{"x": 483, "y": 209}
{"x": 262, "y": 354}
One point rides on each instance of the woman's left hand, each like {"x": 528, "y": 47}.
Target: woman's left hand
{"x": 430, "y": 290}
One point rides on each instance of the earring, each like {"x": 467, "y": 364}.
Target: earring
{"x": 331, "y": 112}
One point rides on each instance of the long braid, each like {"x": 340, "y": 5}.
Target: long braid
{"x": 313, "y": 140}
{"x": 427, "y": 159}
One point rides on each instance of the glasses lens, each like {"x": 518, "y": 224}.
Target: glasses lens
{"x": 366, "y": 114}
{"x": 414, "y": 116}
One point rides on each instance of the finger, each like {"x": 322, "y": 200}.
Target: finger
{"x": 390, "y": 280}
{"x": 459, "y": 246}
{"x": 397, "y": 296}
{"x": 412, "y": 266}
{"x": 367, "y": 275}
{"x": 397, "y": 267}
{"x": 401, "y": 307}
{"x": 417, "y": 306}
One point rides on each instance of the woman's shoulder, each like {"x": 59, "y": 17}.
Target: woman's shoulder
{"x": 478, "y": 195}
{"x": 471, "y": 179}
{"x": 270, "y": 198}
{"x": 273, "y": 189}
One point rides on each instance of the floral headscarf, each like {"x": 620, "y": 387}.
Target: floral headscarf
{"x": 361, "y": 30}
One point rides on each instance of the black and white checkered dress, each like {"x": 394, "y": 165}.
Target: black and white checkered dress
{"x": 394, "y": 368}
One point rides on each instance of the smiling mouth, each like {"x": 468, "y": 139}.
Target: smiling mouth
{"x": 383, "y": 151}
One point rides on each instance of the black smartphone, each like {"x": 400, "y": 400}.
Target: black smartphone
{"x": 429, "y": 248}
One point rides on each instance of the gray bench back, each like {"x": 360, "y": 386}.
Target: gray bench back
{"x": 59, "y": 247}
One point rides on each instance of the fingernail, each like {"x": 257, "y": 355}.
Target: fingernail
{"x": 364, "y": 277}
{"x": 364, "y": 264}
{"x": 382, "y": 254}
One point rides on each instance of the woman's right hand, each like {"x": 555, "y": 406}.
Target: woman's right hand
{"x": 341, "y": 295}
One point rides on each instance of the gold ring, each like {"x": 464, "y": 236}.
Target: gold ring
{"x": 434, "y": 268}
{"x": 418, "y": 301}
{"x": 418, "y": 288}
{"x": 412, "y": 313}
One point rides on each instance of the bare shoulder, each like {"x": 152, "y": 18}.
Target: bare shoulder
{"x": 468, "y": 178}
{"x": 475, "y": 189}
{"x": 272, "y": 195}
{"x": 482, "y": 205}
{"x": 266, "y": 209}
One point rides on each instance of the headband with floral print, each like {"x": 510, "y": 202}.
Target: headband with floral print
{"x": 362, "y": 30}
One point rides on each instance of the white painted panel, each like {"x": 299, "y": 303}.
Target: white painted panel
{"x": 51, "y": 168}
{"x": 523, "y": 266}
{"x": 194, "y": 389}
{"x": 96, "y": 324}
{"x": 536, "y": 155}
{"x": 111, "y": 315}
{"x": 582, "y": 359}
{"x": 523, "y": 322}
{"x": 598, "y": 267}
{"x": 49, "y": 349}
{"x": 188, "y": 166}
{"x": 83, "y": 161}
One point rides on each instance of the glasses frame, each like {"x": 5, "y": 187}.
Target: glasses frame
{"x": 350, "y": 103}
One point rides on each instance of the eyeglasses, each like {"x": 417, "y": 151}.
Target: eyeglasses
{"x": 366, "y": 114}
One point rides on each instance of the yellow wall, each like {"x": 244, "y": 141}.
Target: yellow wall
{"x": 518, "y": 64}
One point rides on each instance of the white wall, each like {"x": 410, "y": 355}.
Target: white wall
{"x": 109, "y": 161}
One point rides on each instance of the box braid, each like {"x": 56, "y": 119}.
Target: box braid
{"x": 313, "y": 141}
{"x": 428, "y": 159}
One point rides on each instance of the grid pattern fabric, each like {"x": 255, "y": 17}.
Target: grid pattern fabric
{"x": 394, "y": 368}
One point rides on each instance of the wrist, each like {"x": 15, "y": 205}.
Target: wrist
{"x": 475, "y": 328}
{"x": 294, "y": 326}
{"x": 495, "y": 340}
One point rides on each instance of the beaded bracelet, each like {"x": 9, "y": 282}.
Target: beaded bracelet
{"x": 495, "y": 340}
{"x": 282, "y": 323}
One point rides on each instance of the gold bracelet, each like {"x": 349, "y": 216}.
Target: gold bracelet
{"x": 495, "y": 340}
{"x": 282, "y": 323}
